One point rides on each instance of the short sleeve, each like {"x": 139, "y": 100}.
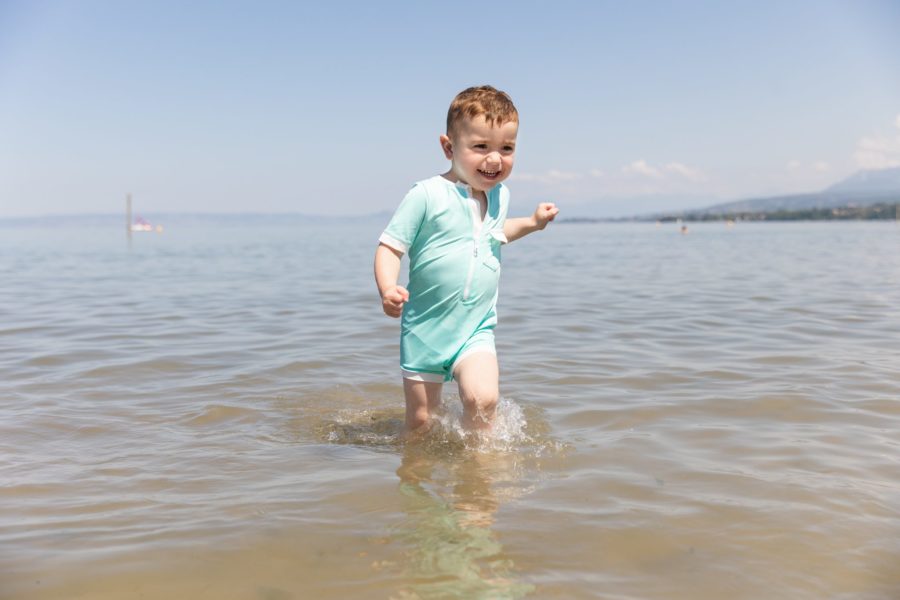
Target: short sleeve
{"x": 405, "y": 223}
{"x": 502, "y": 210}
{"x": 504, "y": 204}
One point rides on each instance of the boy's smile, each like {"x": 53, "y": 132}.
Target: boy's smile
{"x": 482, "y": 155}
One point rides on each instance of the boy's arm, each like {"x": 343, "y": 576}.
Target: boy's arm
{"x": 387, "y": 271}
{"x": 515, "y": 228}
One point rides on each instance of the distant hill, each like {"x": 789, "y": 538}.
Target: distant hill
{"x": 875, "y": 182}
{"x": 864, "y": 188}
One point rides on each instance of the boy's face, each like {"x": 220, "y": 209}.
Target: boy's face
{"x": 482, "y": 155}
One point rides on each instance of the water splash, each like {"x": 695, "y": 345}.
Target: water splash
{"x": 509, "y": 430}
{"x": 512, "y": 430}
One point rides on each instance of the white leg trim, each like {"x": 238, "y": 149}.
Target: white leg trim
{"x": 470, "y": 351}
{"x": 426, "y": 377}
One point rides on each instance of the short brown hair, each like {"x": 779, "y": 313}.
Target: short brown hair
{"x": 496, "y": 106}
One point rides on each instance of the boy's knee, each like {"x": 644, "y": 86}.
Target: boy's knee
{"x": 481, "y": 400}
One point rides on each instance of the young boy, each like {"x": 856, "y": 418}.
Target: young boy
{"x": 452, "y": 226}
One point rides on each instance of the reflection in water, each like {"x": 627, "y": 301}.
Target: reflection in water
{"x": 451, "y": 500}
{"x": 452, "y": 484}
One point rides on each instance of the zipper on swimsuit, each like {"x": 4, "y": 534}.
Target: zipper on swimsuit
{"x": 477, "y": 225}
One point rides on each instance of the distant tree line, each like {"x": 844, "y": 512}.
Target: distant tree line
{"x": 883, "y": 211}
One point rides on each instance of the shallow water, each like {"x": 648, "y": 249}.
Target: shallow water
{"x": 215, "y": 412}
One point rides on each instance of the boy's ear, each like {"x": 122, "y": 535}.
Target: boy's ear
{"x": 447, "y": 147}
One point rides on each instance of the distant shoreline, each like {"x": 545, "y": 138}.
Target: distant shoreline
{"x": 874, "y": 212}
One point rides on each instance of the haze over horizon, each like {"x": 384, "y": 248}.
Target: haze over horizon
{"x": 229, "y": 107}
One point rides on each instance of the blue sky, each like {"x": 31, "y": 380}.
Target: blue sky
{"x": 336, "y": 108}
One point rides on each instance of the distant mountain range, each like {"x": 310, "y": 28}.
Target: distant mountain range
{"x": 864, "y": 188}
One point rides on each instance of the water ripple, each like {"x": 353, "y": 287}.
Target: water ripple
{"x": 683, "y": 417}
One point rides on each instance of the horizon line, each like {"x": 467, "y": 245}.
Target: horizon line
{"x": 116, "y": 215}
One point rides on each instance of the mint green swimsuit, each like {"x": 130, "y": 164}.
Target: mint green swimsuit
{"x": 454, "y": 269}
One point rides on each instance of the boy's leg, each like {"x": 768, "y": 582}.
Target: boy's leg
{"x": 478, "y": 376}
{"x": 422, "y": 397}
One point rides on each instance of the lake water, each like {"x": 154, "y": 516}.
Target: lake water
{"x": 214, "y": 412}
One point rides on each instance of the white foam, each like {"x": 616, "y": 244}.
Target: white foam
{"x": 509, "y": 433}
{"x": 508, "y": 430}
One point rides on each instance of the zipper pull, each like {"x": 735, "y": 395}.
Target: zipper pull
{"x": 475, "y": 254}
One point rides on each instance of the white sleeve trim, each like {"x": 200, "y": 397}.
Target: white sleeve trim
{"x": 498, "y": 235}
{"x": 394, "y": 243}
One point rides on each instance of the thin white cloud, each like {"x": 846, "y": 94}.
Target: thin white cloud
{"x": 689, "y": 173}
{"x": 879, "y": 151}
{"x": 563, "y": 175}
{"x": 795, "y": 166}
{"x": 551, "y": 176}
{"x": 640, "y": 168}
{"x": 638, "y": 178}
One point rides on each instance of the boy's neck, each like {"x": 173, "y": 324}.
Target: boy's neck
{"x": 480, "y": 195}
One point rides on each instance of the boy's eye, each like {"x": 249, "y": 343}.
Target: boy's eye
{"x": 481, "y": 146}
{"x": 508, "y": 148}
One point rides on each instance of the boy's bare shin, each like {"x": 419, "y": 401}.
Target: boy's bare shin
{"x": 478, "y": 376}
{"x": 422, "y": 399}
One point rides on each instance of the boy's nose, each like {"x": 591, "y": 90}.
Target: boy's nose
{"x": 494, "y": 158}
